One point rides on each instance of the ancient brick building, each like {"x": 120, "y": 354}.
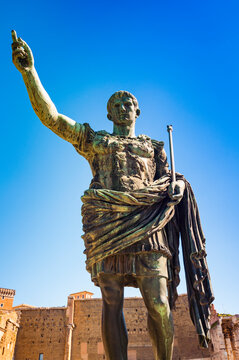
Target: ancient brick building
{"x": 42, "y": 331}
{"x": 82, "y": 295}
{"x": 73, "y": 332}
{"x": 6, "y": 298}
{"x": 9, "y": 324}
{"x": 230, "y": 327}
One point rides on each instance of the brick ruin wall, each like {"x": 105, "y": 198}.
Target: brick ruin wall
{"x": 87, "y": 342}
{"x": 46, "y": 331}
{"x": 186, "y": 342}
{"x": 42, "y": 331}
{"x": 8, "y": 333}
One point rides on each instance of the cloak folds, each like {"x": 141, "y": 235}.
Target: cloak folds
{"x": 114, "y": 220}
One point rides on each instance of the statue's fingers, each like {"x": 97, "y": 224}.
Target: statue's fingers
{"x": 22, "y": 43}
{"x": 14, "y": 36}
{"x": 21, "y": 54}
{"x": 172, "y": 203}
{"x": 176, "y": 197}
{"x": 14, "y": 45}
{"x": 25, "y": 46}
{"x": 171, "y": 189}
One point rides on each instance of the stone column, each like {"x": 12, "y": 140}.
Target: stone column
{"x": 70, "y": 326}
{"x": 228, "y": 343}
{"x": 235, "y": 349}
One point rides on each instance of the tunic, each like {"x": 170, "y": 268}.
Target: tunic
{"x": 124, "y": 164}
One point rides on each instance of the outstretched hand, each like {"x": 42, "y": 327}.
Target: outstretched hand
{"x": 175, "y": 191}
{"x": 21, "y": 54}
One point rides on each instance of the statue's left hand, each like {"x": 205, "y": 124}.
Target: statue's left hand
{"x": 175, "y": 191}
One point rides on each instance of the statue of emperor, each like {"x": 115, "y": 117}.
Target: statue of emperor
{"x": 133, "y": 214}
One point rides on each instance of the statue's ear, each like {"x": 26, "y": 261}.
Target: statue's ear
{"x": 137, "y": 112}
{"x": 109, "y": 117}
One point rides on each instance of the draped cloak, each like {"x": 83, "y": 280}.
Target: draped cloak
{"x": 114, "y": 220}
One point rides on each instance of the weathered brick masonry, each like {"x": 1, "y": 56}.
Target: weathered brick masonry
{"x": 42, "y": 331}
{"x": 9, "y": 324}
{"x": 87, "y": 343}
{"x": 73, "y": 333}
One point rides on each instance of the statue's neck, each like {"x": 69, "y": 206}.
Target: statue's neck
{"x": 123, "y": 130}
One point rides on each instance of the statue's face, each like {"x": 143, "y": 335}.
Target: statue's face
{"x": 123, "y": 111}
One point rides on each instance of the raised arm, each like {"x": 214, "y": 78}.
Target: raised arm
{"x": 43, "y": 106}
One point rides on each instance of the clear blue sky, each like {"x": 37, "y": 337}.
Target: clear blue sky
{"x": 180, "y": 59}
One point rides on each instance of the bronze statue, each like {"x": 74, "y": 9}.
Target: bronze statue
{"x": 133, "y": 214}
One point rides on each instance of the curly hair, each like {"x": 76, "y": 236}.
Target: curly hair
{"x": 120, "y": 94}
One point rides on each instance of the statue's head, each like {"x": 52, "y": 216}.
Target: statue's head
{"x": 122, "y": 108}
